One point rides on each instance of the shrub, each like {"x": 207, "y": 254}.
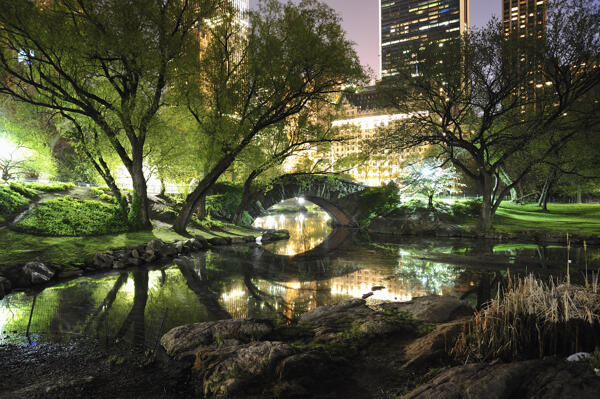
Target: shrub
{"x": 68, "y": 216}
{"x": 107, "y": 198}
{"x": 11, "y": 201}
{"x": 224, "y": 204}
{"x": 50, "y": 187}
{"x": 23, "y": 190}
{"x": 469, "y": 208}
{"x": 534, "y": 319}
{"x": 377, "y": 201}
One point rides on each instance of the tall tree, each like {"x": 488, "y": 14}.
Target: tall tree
{"x": 108, "y": 61}
{"x": 254, "y": 77}
{"x": 468, "y": 98}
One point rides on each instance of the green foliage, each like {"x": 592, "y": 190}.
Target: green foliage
{"x": 69, "y": 217}
{"x": 246, "y": 219}
{"x": 11, "y": 201}
{"x": 224, "y": 205}
{"x": 377, "y": 201}
{"x": 107, "y": 198}
{"x": 469, "y": 208}
{"x": 50, "y": 187}
{"x": 134, "y": 219}
{"x": 22, "y": 189}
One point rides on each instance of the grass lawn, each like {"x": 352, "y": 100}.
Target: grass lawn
{"x": 16, "y": 248}
{"x": 583, "y": 219}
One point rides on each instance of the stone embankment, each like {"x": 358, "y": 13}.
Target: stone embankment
{"x": 356, "y": 350}
{"x": 39, "y": 274}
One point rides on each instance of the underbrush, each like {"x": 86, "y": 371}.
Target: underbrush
{"x": 11, "y": 201}
{"x": 22, "y": 189}
{"x": 534, "y": 319}
{"x": 377, "y": 201}
{"x": 49, "y": 187}
{"x": 69, "y": 217}
{"x": 455, "y": 210}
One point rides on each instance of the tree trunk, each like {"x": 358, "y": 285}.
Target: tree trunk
{"x": 163, "y": 188}
{"x": 430, "y": 201}
{"x": 201, "y": 208}
{"x": 544, "y": 192}
{"x": 192, "y": 199}
{"x": 139, "y": 186}
{"x": 237, "y": 218}
{"x": 486, "y": 215}
{"x": 579, "y": 199}
{"x": 547, "y": 196}
{"x": 507, "y": 180}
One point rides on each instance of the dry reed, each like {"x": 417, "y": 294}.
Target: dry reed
{"x": 534, "y": 319}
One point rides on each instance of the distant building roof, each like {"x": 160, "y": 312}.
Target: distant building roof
{"x": 364, "y": 98}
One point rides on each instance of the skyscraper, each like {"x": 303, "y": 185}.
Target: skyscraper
{"x": 405, "y": 23}
{"x": 527, "y": 17}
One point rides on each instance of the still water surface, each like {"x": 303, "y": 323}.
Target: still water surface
{"x": 329, "y": 266}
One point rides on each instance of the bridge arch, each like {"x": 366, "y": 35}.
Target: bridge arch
{"x": 338, "y": 197}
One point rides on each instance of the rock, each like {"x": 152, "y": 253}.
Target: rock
{"x": 119, "y": 264}
{"x": 250, "y": 238}
{"x": 368, "y": 294}
{"x": 428, "y": 350}
{"x": 328, "y": 321}
{"x": 548, "y": 379}
{"x": 378, "y": 288}
{"x": 219, "y": 241}
{"x": 275, "y": 235}
{"x": 5, "y": 286}
{"x": 135, "y": 253}
{"x": 577, "y": 357}
{"x": 37, "y": 273}
{"x": 103, "y": 261}
{"x": 160, "y": 249}
{"x": 184, "y": 339}
{"x": 234, "y": 371}
{"x": 432, "y": 309}
{"x": 179, "y": 245}
{"x": 238, "y": 240}
{"x": 200, "y": 243}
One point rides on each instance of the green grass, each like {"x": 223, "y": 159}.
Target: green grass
{"x": 71, "y": 217}
{"x": 61, "y": 252}
{"x": 22, "y": 189}
{"x": 583, "y": 219}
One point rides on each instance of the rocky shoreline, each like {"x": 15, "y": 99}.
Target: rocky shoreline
{"x": 37, "y": 274}
{"x": 355, "y": 349}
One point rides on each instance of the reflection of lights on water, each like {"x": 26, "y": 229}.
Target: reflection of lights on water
{"x": 294, "y": 285}
{"x": 326, "y": 217}
{"x": 358, "y": 292}
{"x": 300, "y": 217}
{"x": 233, "y": 294}
{"x": 301, "y": 201}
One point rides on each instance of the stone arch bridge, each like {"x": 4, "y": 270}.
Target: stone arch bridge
{"x": 339, "y": 197}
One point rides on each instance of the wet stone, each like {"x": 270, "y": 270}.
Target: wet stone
{"x": 37, "y": 273}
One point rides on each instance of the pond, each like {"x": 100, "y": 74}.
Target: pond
{"x": 329, "y": 265}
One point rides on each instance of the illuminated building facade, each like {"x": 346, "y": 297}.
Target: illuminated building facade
{"x": 363, "y": 120}
{"x": 527, "y": 19}
{"x": 405, "y": 24}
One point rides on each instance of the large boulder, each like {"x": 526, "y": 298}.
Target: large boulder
{"x": 157, "y": 248}
{"x": 433, "y": 308}
{"x": 232, "y": 371}
{"x": 219, "y": 241}
{"x": 183, "y": 340}
{"x": 547, "y": 379}
{"x": 353, "y": 317}
{"x": 37, "y": 273}
{"x": 433, "y": 348}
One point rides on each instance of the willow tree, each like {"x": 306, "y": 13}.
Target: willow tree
{"x": 109, "y": 62}
{"x": 254, "y": 76}
{"x": 483, "y": 106}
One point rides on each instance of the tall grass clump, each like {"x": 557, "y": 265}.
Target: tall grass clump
{"x": 534, "y": 319}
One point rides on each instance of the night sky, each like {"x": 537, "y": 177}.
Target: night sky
{"x": 360, "y": 20}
